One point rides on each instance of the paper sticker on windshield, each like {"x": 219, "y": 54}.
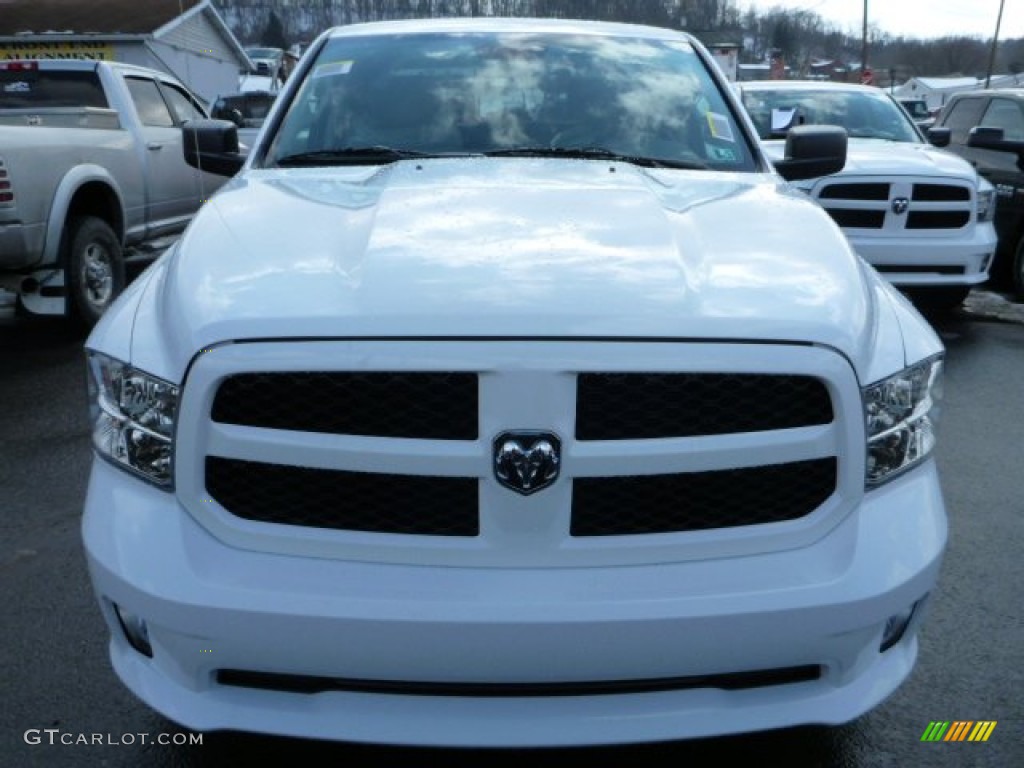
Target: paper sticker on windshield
{"x": 720, "y": 128}
{"x": 782, "y": 119}
{"x": 17, "y": 87}
{"x": 333, "y": 68}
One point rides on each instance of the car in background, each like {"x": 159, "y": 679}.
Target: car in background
{"x": 920, "y": 215}
{"x": 246, "y": 109}
{"x": 987, "y": 129}
{"x": 919, "y": 112}
{"x": 266, "y": 60}
{"x": 93, "y": 180}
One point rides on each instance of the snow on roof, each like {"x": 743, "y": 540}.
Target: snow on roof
{"x": 942, "y": 83}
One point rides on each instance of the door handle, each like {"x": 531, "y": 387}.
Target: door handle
{"x": 154, "y": 145}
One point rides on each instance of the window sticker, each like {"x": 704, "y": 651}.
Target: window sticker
{"x": 782, "y": 119}
{"x": 722, "y": 154}
{"x": 720, "y": 128}
{"x": 334, "y": 68}
{"x": 18, "y": 87}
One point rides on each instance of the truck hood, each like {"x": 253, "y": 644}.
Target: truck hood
{"x": 525, "y": 248}
{"x": 875, "y": 157}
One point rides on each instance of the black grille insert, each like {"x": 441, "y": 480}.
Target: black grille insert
{"x": 309, "y": 684}
{"x": 697, "y": 501}
{"x": 940, "y": 193}
{"x": 425, "y": 405}
{"x": 938, "y": 219}
{"x": 633, "y": 406}
{"x": 869, "y": 191}
{"x": 856, "y": 218}
{"x": 922, "y": 270}
{"x": 340, "y": 500}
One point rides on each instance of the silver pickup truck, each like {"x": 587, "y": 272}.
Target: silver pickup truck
{"x": 91, "y": 170}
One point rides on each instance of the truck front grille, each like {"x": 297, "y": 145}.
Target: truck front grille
{"x": 897, "y": 206}
{"x": 399, "y": 464}
{"x": 696, "y": 501}
{"x": 339, "y": 500}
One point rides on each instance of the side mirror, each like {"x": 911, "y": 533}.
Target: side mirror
{"x": 939, "y": 137}
{"x": 981, "y": 137}
{"x": 813, "y": 151}
{"x": 212, "y": 146}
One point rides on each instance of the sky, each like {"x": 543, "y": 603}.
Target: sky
{"x": 912, "y": 18}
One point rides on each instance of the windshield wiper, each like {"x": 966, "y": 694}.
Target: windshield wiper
{"x": 595, "y": 153}
{"x": 373, "y": 155}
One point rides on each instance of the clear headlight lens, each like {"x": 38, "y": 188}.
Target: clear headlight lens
{"x": 986, "y": 204}
{"x": 901, "y": 413}
{"x": 133, "y": 417}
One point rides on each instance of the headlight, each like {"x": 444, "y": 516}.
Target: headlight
{"x": 133, "y": 417}
{"x": 986, "y": 204}
{"x": 901, "y": 413}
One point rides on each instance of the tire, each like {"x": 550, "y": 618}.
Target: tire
{"x": 95, "y": 268}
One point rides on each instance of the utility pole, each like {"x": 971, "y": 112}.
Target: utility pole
{"x": 995, "y": 44}
{"x": 864, "y": 42}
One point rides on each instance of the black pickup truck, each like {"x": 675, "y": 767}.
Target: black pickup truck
{"x": 987, "y": 129}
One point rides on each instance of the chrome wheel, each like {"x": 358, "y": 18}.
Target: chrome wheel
{"x": 95, "y": 268}
{"x": 97, "y": 276}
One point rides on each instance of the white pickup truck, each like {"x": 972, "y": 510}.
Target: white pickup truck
{"x": 508, "y": 396}
{"x": 917, "y": 213}
{"x": 91, "y": 165}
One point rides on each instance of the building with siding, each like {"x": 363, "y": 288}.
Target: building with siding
{"x": 186, "y": 38}
{"x": 935, "y": 90}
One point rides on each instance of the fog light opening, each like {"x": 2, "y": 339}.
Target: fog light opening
{"x": 896, "y": 626}
{"x": 134, "y": 629}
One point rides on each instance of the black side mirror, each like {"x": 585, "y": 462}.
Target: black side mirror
{"x": 813, "y": 151}
{"x": 939, "y": 137}
{"x": 982, "y": 137}
{"x": 212, "y": 146}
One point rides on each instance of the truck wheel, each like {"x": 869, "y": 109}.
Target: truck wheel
{"x": 95, "y": 268}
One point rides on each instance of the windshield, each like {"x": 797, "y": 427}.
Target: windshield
{"x": 865, "y": 114}
{"x": 916, "y": 108}
{"x": 455, "y": 94}
{"x": 263, "y": 53}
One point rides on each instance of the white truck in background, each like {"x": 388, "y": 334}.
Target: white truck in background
{"x": 91, "y": 170}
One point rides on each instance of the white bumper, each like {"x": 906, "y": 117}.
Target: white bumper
{"x": 212, "y": 607}
{"x": 938, "y": 260}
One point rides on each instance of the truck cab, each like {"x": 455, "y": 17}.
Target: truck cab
{"x": 987, "y": 129}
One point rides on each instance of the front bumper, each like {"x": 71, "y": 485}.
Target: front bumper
{"x": 932, "y": 260}
{"x": 210, "y": 607}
